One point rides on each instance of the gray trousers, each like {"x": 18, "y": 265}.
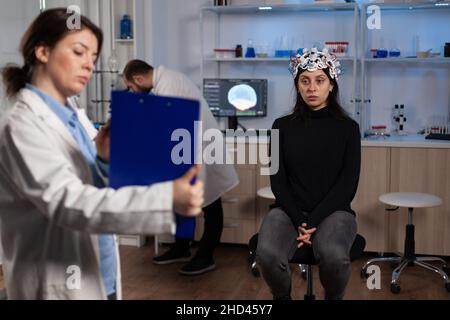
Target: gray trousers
{"x": 331, "y": 245}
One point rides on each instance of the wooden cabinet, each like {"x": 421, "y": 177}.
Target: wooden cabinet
{"x": 239, "y": 206}
{"x": 394, "y": 169}
{"x": 422, "y": 170}
{"x": 370, "y": 212}
{"x": 397, "y": 169}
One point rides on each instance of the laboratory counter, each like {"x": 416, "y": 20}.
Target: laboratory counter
{"x": 406, "y": 141}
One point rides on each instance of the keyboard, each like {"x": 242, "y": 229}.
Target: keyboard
{"x": 438, "y": 136}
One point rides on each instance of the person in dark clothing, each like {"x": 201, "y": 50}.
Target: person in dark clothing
{"x": 203, "y": 260}
{"x": 139, "y": 76}
{"x": 319, "y": 166}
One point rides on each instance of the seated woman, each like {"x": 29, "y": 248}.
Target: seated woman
{"x": 319, "y": 156}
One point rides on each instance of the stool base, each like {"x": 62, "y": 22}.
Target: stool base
{"x": 409, "y": 258}
{"x": 415, "y": 261}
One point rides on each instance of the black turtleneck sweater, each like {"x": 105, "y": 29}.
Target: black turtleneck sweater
{"x": 319, "y": 166}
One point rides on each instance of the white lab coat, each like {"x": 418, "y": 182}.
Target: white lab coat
{"x": 218, "y": 178}
{"x": 50, "y": 210}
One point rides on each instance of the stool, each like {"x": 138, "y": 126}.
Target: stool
{"x": 304, "y": 256}
{"x": 410, "y": 200}
{"x": 266, "y": 193}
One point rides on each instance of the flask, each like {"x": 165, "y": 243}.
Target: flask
{"x": 113, "y": 65}
{"x": 126, "y": 27}
{"x": 250, "y": 53}
{"x": 393, "y": 51}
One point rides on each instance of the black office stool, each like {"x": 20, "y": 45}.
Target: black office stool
{"x": 304, "y": 257}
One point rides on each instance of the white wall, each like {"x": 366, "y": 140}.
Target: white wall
{"x": 423, "y": 88}
{"x": 65, "y": 3}
{"x": 14, "y": 19}
{"x": 176, "y": 44}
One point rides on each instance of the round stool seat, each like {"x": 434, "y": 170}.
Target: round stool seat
{"x": 411, "y": 199}
{"x": 266, "y": 193}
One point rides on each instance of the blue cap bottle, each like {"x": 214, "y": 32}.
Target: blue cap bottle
{"x": 126, "y": 27}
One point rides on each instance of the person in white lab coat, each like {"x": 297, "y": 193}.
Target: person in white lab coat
{"x": 139, "y": 76}
{"x": 53, "y": 200}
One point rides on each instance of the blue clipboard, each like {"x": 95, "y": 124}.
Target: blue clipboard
{"x": 142, "y": 144}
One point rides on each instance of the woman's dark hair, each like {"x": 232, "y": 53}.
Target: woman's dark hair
{"x": 302, "y": 110}
{"x": 48, "y": 29}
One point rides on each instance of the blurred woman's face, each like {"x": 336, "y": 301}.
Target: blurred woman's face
{"x": 68, "y": 67}
{"x": 314, "y": 87}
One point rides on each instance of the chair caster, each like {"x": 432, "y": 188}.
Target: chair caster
{"x": 255, "y": 270}
{"x": 447, "y": 286}
{"x": 395, "y": 288}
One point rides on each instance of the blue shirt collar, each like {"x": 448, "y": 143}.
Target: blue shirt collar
{"x": 64, "y": 112}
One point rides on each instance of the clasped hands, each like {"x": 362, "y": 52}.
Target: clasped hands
{"x": 304, "y": 235}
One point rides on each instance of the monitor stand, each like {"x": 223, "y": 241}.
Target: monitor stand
{"x": 233, "y": 123}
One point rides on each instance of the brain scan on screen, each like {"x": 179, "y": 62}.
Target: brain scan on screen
{"x": 242, "y": 97}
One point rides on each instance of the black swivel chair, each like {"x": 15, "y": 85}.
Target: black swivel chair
{"x": 305, "y": 257}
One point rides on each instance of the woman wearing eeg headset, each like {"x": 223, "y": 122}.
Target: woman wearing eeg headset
{"x": 319, "y": 157}
{"x": 53, "y": 198}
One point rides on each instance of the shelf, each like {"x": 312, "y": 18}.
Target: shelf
{"x": 270, "y": 59}
{"x": 413, "y": 60}
{"x": 214, "y": 21}
{"x": 126, "y": 41}
{"x": 282, "y": 8}
{"x": 410, "y": 6}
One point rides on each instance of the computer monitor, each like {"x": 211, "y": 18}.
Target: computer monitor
{"x": 236, "y": 97}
